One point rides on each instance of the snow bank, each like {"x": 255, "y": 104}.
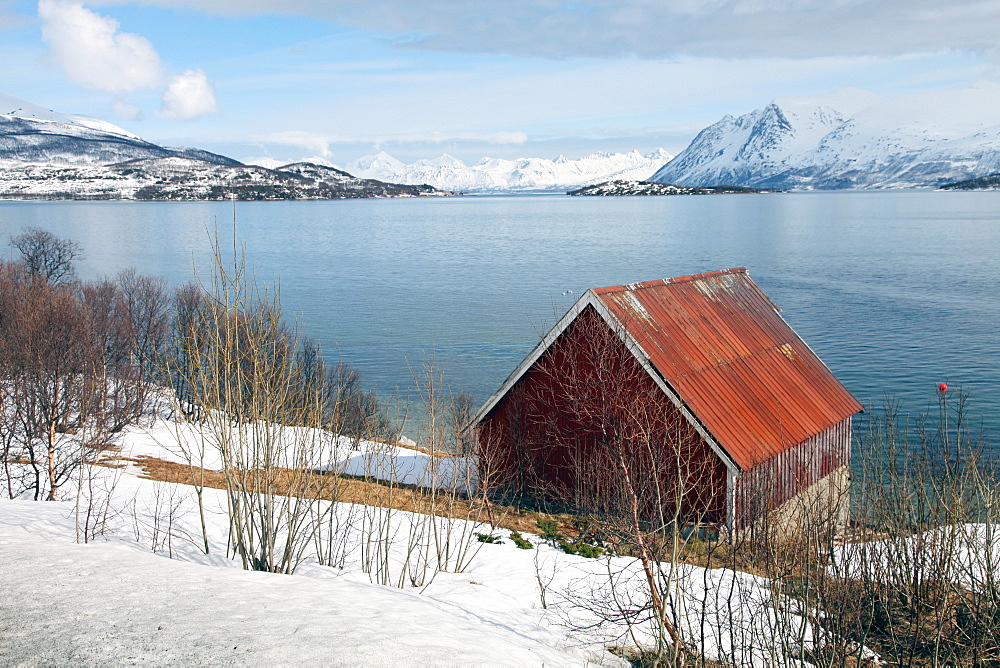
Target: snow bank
{"x": 966, "y": 554}
{"x": 110, "y": 602}
{"x": 180, "y": 441}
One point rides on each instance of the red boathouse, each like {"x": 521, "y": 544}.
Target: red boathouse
{"x": 689, "y": 392}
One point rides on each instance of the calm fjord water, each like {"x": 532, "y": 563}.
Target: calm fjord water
{"x": 896, "y": 291}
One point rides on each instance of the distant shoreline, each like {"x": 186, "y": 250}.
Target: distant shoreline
{"x": 645, "y": 188}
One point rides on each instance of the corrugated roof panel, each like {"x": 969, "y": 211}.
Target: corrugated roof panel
{"x": 721, "y": 344}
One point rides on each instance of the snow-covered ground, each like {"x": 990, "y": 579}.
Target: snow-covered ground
{"x": 144, "y": 590}
{"x": 114, "y": 602}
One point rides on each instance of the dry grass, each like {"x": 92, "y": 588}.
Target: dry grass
{"x": 642, "y": 659}
{"x": 427, "y": 451}
{"x": 350, "y": 489}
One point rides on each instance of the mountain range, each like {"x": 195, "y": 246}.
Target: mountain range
{"x": 848, "y": 139}
{"x": 520, "y": 175}
{"x": 845, "y": 139}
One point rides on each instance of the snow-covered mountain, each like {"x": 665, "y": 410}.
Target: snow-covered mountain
{"x": 523, "y": 174}
{"x": 32, "y": 134}
{"x": 848, "y": 139}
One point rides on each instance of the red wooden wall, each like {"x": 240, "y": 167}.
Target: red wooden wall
{"x": 587, "y": 427}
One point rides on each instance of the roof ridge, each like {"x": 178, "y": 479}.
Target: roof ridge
{"x": 669, "y": 281}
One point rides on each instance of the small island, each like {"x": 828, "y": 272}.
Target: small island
{"x": 990, "y": 182}
{"x": 623, "y": 188}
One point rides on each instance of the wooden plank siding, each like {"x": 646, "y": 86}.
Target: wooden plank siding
{"x": 775, "y": 481}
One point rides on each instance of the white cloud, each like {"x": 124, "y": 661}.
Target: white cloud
{"x": 126, "y": 111}
{"x": 188, "y": 96}
{"x": 308, "y": 140}
{"x": 93, "y": 52}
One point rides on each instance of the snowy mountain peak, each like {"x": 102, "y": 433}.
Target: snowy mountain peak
{"x": 266, "y": 163}
{"x": 848, "y": 138}
{"x": 380, "y": 162}
{"x": 18, "y": 108}
{"x": 444, "y": 160}
{"x": 12, "y": 106}
{"x": 272, "y": 163}
{"x": 101, "y": 126}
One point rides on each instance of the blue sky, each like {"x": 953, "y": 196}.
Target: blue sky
{"x": 293, "y": 79}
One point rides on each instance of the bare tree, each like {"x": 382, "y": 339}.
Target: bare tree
{"x": 114, "y": 338}
{"x": 57, "y": 371}
{"x": 12, "y": 290}
{"x": 45, "y": 255}
{"x": 67, "y": 377}
{"x": 146, "y": 306}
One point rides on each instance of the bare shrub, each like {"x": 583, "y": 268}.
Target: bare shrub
{"x": 920, "y": 582}
{"x": 241, "y": 368}
{"x": 349, "y": 409}
{"x": 438, "y": 533}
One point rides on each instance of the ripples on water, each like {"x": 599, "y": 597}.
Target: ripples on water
{"x": 896, "y": 291}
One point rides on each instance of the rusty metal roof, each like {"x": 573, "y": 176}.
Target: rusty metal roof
{"x": 720, "y": 343}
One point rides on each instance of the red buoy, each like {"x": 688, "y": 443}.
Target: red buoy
{"x": 943, "y": 387}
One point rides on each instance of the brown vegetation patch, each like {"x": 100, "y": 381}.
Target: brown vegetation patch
{"x": 349, "y": 489}
{"x": 931, "y": 622}
{"x": 440, "y": 454}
